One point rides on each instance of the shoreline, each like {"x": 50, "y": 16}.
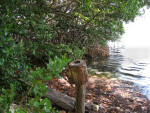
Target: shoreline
{"x": 110, "y": 95}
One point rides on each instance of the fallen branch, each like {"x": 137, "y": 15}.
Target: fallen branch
{"x": 62, "y": 100}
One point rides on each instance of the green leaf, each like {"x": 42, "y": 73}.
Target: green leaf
{"x": 12, "y": 86}
{"x": 4, "y": 51}
{"x": 36, "y": 104}
{"x": 35, "y": 89}
{"x": 4, "y": 91}
{"x": 10, "y": 39}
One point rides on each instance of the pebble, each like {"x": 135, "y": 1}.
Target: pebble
{"x": 95, "y": 107}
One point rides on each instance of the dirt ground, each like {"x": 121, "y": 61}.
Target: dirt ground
{"x": 113, "y": 96}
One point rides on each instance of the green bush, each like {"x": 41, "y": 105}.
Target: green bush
{"x": 25, "y": 36}
{"x": 6, "y": 98}
{"x": 32, "y": 99}
{"x": 38, "y": 38}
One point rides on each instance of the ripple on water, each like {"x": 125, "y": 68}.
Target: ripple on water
{"x": 129, "y": 68}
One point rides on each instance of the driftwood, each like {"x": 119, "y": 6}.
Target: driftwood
{"x": 63, "y": 101}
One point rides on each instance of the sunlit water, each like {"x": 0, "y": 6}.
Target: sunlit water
{"x": 130, "y": 57}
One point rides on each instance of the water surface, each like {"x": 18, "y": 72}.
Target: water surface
{"x": 130, "y": 57}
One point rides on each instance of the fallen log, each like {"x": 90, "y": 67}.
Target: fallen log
{"x": 60, "y": 99}
{"x": 63, "y": 101}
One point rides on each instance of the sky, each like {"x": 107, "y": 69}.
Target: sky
{"x": 137, "y": 33}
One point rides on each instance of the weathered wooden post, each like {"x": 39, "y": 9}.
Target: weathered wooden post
{"x": 78, "y": 75}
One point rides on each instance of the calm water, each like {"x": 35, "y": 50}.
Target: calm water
{"x": 130, "y": 57}
{"x": 129, "y": 64}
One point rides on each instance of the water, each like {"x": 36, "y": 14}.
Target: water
{"x": 130, "y": 57}
{"x": 128, "y": 64}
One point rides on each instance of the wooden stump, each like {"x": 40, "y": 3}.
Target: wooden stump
{"x": 80, "y": 98}
{"x": 78, "y": 75}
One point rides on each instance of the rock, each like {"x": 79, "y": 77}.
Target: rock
{"x": 62, "y": 111}
{"x": 92, "y": 70}
{"x": 98, "y": 73}
{"x": 95, "y": 107}
{"x": 12, "y": 107}
{"x": 88, "y": 105}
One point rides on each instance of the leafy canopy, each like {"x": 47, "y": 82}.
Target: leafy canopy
{"x": 39, "y": 37}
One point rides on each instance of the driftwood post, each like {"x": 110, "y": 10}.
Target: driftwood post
{"x": 78, "y": 75}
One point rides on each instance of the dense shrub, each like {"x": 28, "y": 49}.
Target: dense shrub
{"x": 39, "y": 37}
